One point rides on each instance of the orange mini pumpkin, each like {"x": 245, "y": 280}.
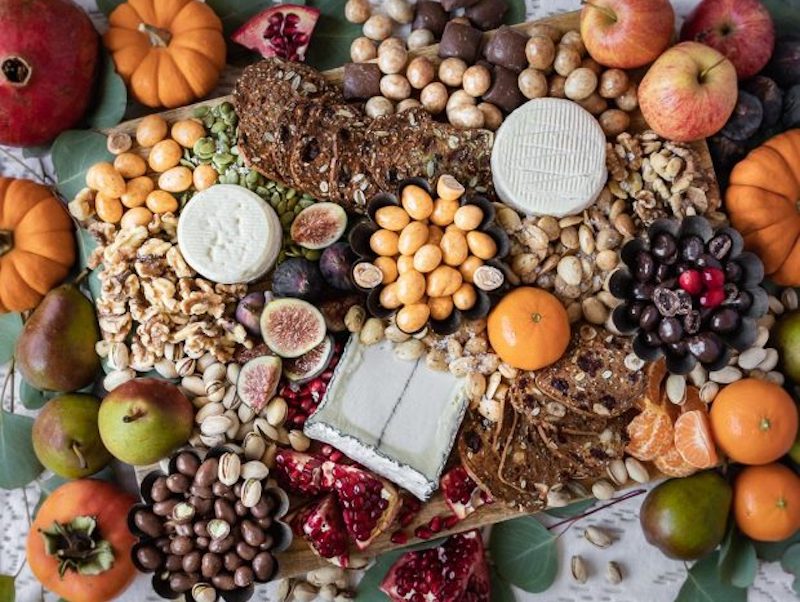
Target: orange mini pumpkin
{"x": 169, "y": 52}
{"x": 37, "y": 243}
{"x": 762, "y": 204}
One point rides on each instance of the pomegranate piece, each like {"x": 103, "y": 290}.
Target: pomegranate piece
{"x": 303, "y": 474}
{"x": 462, "y": 494}
{"x": 369, "y": 503}
{"x": 322, "y": 526}
{"x": 456, "y": 571}
{"x": 283, "y": 30}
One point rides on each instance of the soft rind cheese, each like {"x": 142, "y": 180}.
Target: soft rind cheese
{"x": 398, "y": 418}
{"x": 229, "y": 234}
{"x": 549, "y": 158}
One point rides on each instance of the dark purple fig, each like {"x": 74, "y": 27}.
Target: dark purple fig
{"x": 791, "y": 108}
{"x": 726, "y": 152}
{"x": 319, "y": 225}
{"x": 298, "y": 277}
{"x": 746, "y": 118}
{"x": 336, "y": 264}
{"x": 771, "y": 97}
{"x": 784, "y": 66}
{"x": 248, "y": 312}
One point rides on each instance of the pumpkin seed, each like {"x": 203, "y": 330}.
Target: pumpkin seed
{"x": 603, "y": 490}
{"x": 613, "y": 573}
{"x": 578, "y": 567}
{"x": 637, "y": 470}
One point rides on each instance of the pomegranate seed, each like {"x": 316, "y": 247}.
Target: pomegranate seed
{"x": 712, "y": 297}
{"x": 317, "y": 388}
{"x": 450, "y": 521}
{"x": 435, "y": 524}
{"x": 308, "y": 405}
{"x": 299, "y": 419}
{"x": 412, "y": 503}
{"x": 288, "y": 393}
{"x": 423, "y": 532}
{"x": 326, "y": 450}
{"x": 691, "y": 281}
{"x": 406, "y": 518}
{"x": 399, "y": 537}
{"x": 336, "y": 456}
{"x": 327, "y": 375}
{"x": 713, "y": 277}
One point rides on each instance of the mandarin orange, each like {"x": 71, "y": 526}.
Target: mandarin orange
{"x": 766, "y": 502}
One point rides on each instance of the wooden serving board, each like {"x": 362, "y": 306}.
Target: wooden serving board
{"x": 299, "y": 558}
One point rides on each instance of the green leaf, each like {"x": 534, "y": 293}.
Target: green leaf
{"x": 18, "y": 463}
{"x": 112, "y": 96}
{"x": 235, "y": 13}
{"x": 330, "y": 42}
{"x": 772, "y": 551}
{"x": 31, "y": 397}
{"x": 10, "y": 327}
{"x": 108, "y": 6}
{"x": 7, "y": 593}
{"x": 501, "y": 589}
{"x": 517, "y": 12}
{"x": 572, "y": 510}
{"x": 525, "y": 553}
{"x": 703, "y": 584}
{"x": 74, "y": 151}
{"x": 35, "y": 152}
{"x": 737, "y": 560}
{"x": 785, "y": 15}
{"x": 790, "y": 561}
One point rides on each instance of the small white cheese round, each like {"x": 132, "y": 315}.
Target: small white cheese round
{"x": 549, "y": 158}
{"x": 229, "y": 234}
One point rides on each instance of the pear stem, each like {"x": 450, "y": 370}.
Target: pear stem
{"x": 707, "y": 70}
{"x": 608, "y": 13}
{"x": 6, "y": 241}
{"x": 158, "y": 37}
{"x": 137, "y": 413}
{"x": 76, "y": 449}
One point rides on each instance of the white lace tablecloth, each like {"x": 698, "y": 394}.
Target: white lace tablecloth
{"x": 648, "y": 576}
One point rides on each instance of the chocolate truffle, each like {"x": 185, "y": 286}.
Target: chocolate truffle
{"x": 487, "y": 14}
{"x": 431, "y": 16}
{"x": 361, "y": 81}
{"x": 504, "y": 92}
{"x": 462, "y": 41}
{"x": 507, "y": 49}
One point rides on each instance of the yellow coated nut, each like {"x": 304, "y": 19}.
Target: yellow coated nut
{"x": 417, "y": 202}
{"x": 410, "y": 287}
{"x": 444, "y": 210}
{"x": 443, "y": 281}
{"x": 160, "y": 201}
{"x": 388, "y": 296}
{"x": 138, "y": 216}
{"x": 109, "y": 209}
{"x": 412, "y": 317}
{"x": 454, "y": 247}
{"x": 449, "y": 188}
{"x": 441, "y": 307}
{"x": 469, "y": 266}
{"x": 104, "y": 178}
{"x": 151, "y": 130}
{"x": 164, "y": 155}
{"x": 136, "y": 191}
{"x": 388, "y": 267}
{"x": 384, "y": 242}
{"x": 465, "y": 297}
{"x": 392, "y": 218}
{"x": 176, "y": 179}
{"x": 405, "y": 263}
{"x": 413, "y": 236}
{"x": 435, "y": 234}
{"x": 468, "y": 217}
{"x": 204, "y": 176}
{"x": 427, "y": 258}
{"x": 481, "y": 244}
{"x": 187, "y": 131}
{"x": 130, "y": 165}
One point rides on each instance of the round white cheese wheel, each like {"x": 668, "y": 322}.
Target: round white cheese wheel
{"x": 549, "y": 158}
{"x": 229, "y": 234}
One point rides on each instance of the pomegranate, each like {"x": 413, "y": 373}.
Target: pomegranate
{"x": 303, "y": 474}
{"x": 462, "y": 494}
{"x": 283, "y": 30}
{"x": 48, "y": 62}
{"x": 456, "y": 571}
{"x": 369, "y": 503}
{"x": 321, "y": 524}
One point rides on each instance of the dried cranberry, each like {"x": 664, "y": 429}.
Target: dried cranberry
{"x": 712, "y": 297}
{"x": 691, "y": 281}
{"x": 399, "y": 537}
{"x": 713, "y": 277}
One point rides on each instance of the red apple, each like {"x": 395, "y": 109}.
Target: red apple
{"x": 742, "y": 30}
{"x": 689, "y": 92}
{"x": 626, "y": 33}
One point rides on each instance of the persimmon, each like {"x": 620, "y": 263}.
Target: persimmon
{"x": 766, "y": 502}
{"x": 529, "y": 329}
{"x": 754, "y": 421}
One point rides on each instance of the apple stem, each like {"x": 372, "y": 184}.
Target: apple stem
{"x": 137, "y": 413}
{"x": 76, "y": 448}
{"x": 608, "y": 13}
{"x": 706, "y": 71}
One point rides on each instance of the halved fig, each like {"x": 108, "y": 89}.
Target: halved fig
{"x": 309, "y": 365}
{"x": 292, "y": 327}
{"x": 319, "y": 225}
{"x": 258, "y": 381}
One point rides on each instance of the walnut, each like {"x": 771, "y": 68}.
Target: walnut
{"x": 116, "y": 325}
{"x": 178, "y": 264}
{"x": 154, "y": 247}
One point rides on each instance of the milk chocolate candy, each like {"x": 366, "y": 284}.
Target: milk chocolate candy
{"x": 507, "y": 49}
{"x": 431, "y": 16}
{"x": 454, "y": 4}
{"x": 362, "y": 81}
{"x": 462, "y": 41}
{"x": 487, "y": 14}
{"x": 504, "y": 92}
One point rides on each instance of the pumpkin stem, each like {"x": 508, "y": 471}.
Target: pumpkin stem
{"x": 78, "y": 546}
{"x": 157, "y": 36}
{"x": 16, "y": 71}
{"x": 6, "y": 241}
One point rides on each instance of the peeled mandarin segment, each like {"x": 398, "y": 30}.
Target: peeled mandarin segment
{"x": 693, "y": 439}
{"x": 651, "y": 434}
{"x": 672, "y": 464}
{"x": 417, "y": 202}
{"x": 448, "y": 188}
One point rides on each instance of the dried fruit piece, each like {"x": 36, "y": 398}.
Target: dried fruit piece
{"x": 302, "y": 473}
{"x": 462, "y": 494}
{"x": 322, "y": 526}
{"x": 298, "y": 277}
{"x": 311, "y": 364}
{"x": 258, "y": 380}
{"x": 292, "y": 327}
{"x": 283, "y": 31}
{"x": 319, "y": 225}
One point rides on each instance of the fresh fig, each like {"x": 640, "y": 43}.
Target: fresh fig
{"x": 791, "y": 108}
{"x": 726, "y": 152}
{"x": 298, "y": 277}
{"x": 248, "y": 312}
{"x": 336, "y": 308}
{"x": 746, "y": 118}
{"x": 292, "y": 327}
{"x": 309, "y": 365}
{"x": 319, "y": 225}
{"x": 258, "y": 381}
{"x": 771, "y": 97}
{"x": 784, "y": 66}
{"x": 283, "y": 30}
{"x": 336, "y": 264}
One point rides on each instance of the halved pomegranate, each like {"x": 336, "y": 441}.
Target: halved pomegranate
{"x": 322, "y": 526}
{"x": 283, "y": 30}
{"x": 462, "y": 494}
{"x": 456, "y": 571}
{"x": 369, "y": 503}
{"x": 303, "y": 474}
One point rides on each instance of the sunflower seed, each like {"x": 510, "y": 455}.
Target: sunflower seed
{"x": 578, "y": 567}
{"x": 708, "y": 392}
{"x": 613, "y": 573}
{"x": 676, "y": 389}
{"x": 597, "y": 537}
{"x": 636, "y": 470}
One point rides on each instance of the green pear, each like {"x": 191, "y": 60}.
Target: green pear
{"x": 144, "y": 420}
{"x": 66, "y": 438}
{"x": 686, "y": 518}
{"x": 787, "y": 340}
{"x": 56, "y": 349}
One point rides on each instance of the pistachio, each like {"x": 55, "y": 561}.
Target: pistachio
{"x": 354, "y": 318}
{"x": 255, "y": 469}
{"x": 298, "y": 440}
{"x": 597, "y": 537}
{"x": 208, "y": 410}
{"x": 230, "y": 469}
{"x": 269, "y": 455}
{"x": 218, "y": 528}
{"x": 570, "y": 270}
{"x": 204, "y": 361}
{"x": 254, "y": 446}
{"x": 166, "y": 369}
{"x": 114, "y": 379}
{"x": 251, "y": 493}
{"x": 276, "y": 411}
{"x": 708, "y": 391}
{"x": 231, "y": 399}
{"x": 185, "y": 366}
{"x": 101, "y": 348}
{"x": 637, "y": 470}
{"x": 303, "y": 592}
{"x": 726, "y": 375}
{"x": 578, "y": 567}
{"x": 265, "y": 429}
{"x": 215, "y": 372}
{"x": 617, "y": 471}
{"x": 676, "y": 389}
{"x": 603, "y": 490}
{"x": 194, "y": 385}
{"x": 395, "y": 335}
{"x": 325, "y": 575}
{"x": 215, "y": 390}
{"x": 232, "y": 373}
{"x": 775, "y": 377}
{"x": 613, "y": 573}
{"x": 118, "y": 356}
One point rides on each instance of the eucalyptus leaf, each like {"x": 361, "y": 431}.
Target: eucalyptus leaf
{"x": 74, "y": 151}
{"x": 785, "y": 15}
{"x": 517, "y": 12}
{"x": 703, "y": 584}
{"x": 18, "y": 463}
{"x": 790, "y": 561}
{"x": 7, "y": 593}
{"x": 10, "y": 327}
{"x": 525, "y": 553}
{"x": 737, "y": 560}
{"x": 108, "y": 6}
{"x": 501, "y": 589}
{"x": 573, "y": 510}
{"x": 31, "y": 397}
{"x": 112, "y": 96}
{"x": 771, "y": 551}
{"x": 235, "y": 13}
{"x": 35, "y": 152}
{"x": 330, "y": 42}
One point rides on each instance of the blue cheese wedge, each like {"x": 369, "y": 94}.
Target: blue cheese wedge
{"x": 398, "y": 418}
{"x": 229, "y": 234}
{"x": 549, "y": 158}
